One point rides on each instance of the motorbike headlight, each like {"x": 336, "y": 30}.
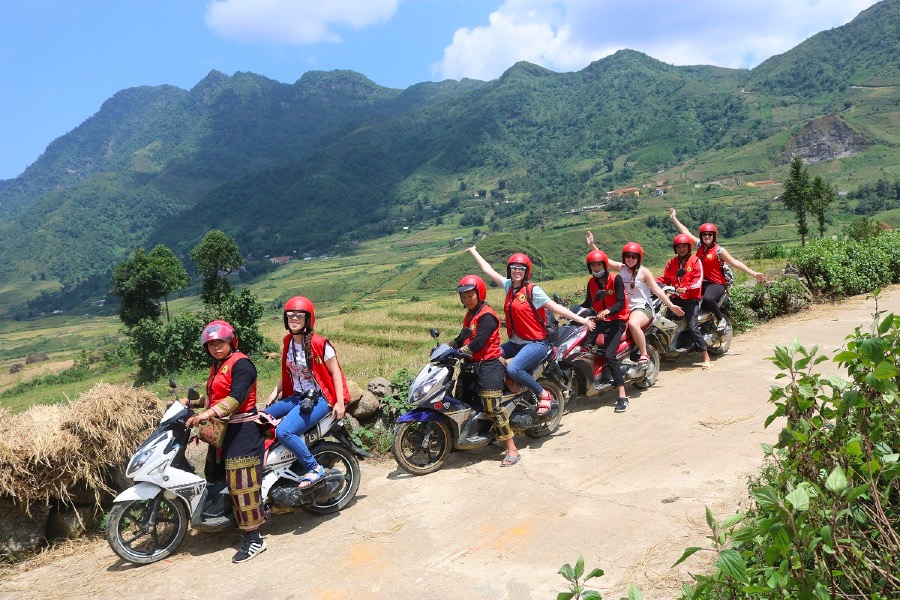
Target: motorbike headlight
{"x": 421, "y": 392}
{"x": 138, "y": 461}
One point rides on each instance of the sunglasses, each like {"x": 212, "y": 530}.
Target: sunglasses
{"x": 628, "y": 255}
{"x": 707, "y": 234}
{"x": 518, "y": 268}
{"x": 295, "y": 314}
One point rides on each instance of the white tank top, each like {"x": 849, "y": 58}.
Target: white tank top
{"x": 639, "y": 294}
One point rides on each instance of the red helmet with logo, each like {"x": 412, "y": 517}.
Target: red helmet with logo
{"x": 633, "y": 248}
{"x": 596, "y": 256}
{"x": 472, "y": 282}
{"x": 709, "y": 227}
{"x": 683, "y": 238}
{"x": 519, "y": 259}
{"x": 219, "y": 330}
{"x": 301, "y": 304}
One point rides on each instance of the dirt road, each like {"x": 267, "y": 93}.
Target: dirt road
{"x": 625, "y": 490}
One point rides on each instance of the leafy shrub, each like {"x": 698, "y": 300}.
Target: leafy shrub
{"x": 844, "y": 267}
{"x": 750, "y": 304}
{"x": 827, "y": 507}
{"x": 167, "y": 348}
{"x": 577, "y": 580}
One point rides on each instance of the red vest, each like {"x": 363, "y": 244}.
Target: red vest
{"x": 218, "y": 386}
{"x": 521, "y": 319}
{"x": 492, "y": 347}
{"x": 608, "y": 300}
{"x": 712, "y": 268}
{"x": 319, "y": 370}
{"x": 692, "y": 278}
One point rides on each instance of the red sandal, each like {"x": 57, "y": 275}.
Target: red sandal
{"x": 545, "y": 403}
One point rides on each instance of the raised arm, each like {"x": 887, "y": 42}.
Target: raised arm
{"x": 485, "y": 267}
{"x": 727, "y": 257}
{"x": 613, "y": 265}
{"x": 681, "y": 228}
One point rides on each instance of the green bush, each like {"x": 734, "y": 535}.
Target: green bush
{"x": 769, "y": 251}
{"x": 844, "y": 267}
{"x": 761, "y": 302}
{"x": 825, "y": 522}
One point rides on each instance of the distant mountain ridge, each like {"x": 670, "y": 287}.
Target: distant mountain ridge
{"x": 335, "y": 157}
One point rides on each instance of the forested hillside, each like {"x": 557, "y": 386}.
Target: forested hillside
{"x": 315, "y": 166}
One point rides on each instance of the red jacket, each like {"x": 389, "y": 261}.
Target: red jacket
{"x": 218, "y": 386}
{"x": 522, "y": 318}
{"x": 608, "y": 300}
{"x": 492, "y": 347}
{"x": 319, "y": 370}
{"x": 692, "y": 278}
{"x": 712, "y": 268}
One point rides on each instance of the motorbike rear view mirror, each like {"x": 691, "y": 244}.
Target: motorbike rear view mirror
{"x": 600, "y": 295}
{"x": 680, "y": 273}
{"x": 557, "y": 299}
{"x": 466, "y": 332}
{"x": 434, "y": 333}
{"x": 192, "y": 394}
{"x": 172, "y": 385}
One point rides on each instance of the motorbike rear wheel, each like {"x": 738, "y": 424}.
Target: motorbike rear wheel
{"x": 723, "y": 340}
{"x": 128, "y": 534}
{"x": 652, "y": 373}
{"x": 332, "y": 455}
{"x": 545, "y": 429}
{"x": 421, "y": 447}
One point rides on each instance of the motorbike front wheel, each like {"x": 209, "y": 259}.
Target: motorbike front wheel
{"x": 332, "y": 455}
{"x": 545, "y": 429}
{"x": 421, "y": 447}
{"x": 131, "y": 536}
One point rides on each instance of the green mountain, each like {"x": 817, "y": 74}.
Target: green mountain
{"x": 334, "y": 158}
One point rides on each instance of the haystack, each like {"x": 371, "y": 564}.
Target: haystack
{"x": 48, "y": 452}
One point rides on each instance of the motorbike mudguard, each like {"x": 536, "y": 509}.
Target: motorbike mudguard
{"x": 139, "y": 491}
{"x": 418, "y": 415}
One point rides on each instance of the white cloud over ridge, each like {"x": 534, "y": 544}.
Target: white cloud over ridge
{"x": 567, "y": 35}
{"x": 295, "y": 22}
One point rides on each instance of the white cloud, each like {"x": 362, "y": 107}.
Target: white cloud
{"x": 566, "y": 35}
{"x": 294, "y": 21}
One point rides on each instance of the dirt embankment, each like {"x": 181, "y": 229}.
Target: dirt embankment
{"x": 625, "y": 490}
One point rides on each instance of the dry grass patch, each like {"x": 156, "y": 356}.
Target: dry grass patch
{"x": 47, "y": 451}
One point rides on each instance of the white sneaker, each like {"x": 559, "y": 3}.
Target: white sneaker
{"x": 249, "y": 549}
{"x": 723, "y": 325}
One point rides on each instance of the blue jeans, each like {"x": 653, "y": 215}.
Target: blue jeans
{"x": 524, "y": 358}
{"x": 294, "y": 424}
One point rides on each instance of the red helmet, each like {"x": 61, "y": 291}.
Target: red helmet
{"x": 299, "y": 303}
{"x": 683, "y": 238}
{"x": 219, "y": 330}
{"x": 633, "y": 248}
{"x": 596, "y": 256}
{"x": 709, "y": 227}
{"x": 519, "y": 259}
{"x": 472, "y": 282}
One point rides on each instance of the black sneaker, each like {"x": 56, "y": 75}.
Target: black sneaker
{"x": 621, "y": 405}
{"x": 250, "y": 548}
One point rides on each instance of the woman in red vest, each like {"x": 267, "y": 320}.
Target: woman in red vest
{"x": 231, "y": 393}
{"x": 525, "y": 311}
{"x": 480, "y": 338}
{"x": 684, "y": 272}
{"x": 714, "y": 257}
{"x": 312, "y": 384}
{"x": 605, "y": 294}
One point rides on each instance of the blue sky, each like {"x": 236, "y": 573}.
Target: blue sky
{"x": 61, "y": 59}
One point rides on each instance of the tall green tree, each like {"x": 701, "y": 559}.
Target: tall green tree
{"x": 144, "y": 278}
{"x": 821, "y": 195}
{"x": 797, "y": 196}
{"x": 217, "y": 253}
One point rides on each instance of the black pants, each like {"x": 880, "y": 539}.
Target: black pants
{"x": 712, "y": 293}
{"x": 691, "y": 308}
{"x": 612, "y": 333}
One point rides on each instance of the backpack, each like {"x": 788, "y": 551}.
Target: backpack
{"x": 551, "y": 325}
{"x": 726, "y": 268}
